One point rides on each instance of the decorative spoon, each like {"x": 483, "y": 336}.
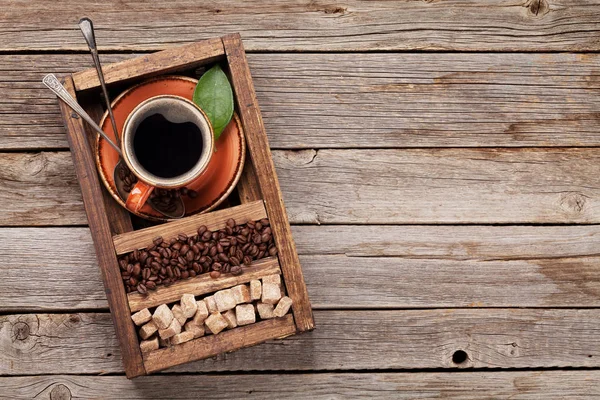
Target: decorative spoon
{"x": 87, "y": 29}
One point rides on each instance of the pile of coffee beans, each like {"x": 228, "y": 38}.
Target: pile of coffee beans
{"x": 161, "y": 198}
{"x": 227, "y": 250}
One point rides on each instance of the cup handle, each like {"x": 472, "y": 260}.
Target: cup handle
{"x": 138, "y": 196}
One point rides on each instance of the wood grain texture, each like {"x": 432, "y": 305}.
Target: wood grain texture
{"x": 348, "y": 100}
{"x": 501, "y": 385}
{"x": 93, "y": 201}
{"x": 142, "y": 238}
{"x": 364, "y": 186}
{"x": 224, "y": 342}
{"x": 266, "y": 178}
{"x": 247, "y": 187}
{"x": 202, "y": 284}
{"x": 168, "y": 61}
{"x": 318, "y": 25}
{"x": 492, "y": 338}
{"x": 384, "y": 266}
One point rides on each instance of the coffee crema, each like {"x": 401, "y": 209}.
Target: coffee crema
{"x": 167, "y": 149}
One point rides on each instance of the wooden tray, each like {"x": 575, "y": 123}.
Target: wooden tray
{"x": 258, "y": 190}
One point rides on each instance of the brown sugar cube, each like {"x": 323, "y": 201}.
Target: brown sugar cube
{"x": 141, "y": 317}
{"x": 197, "y": 330}
{"x": 255, "y": 289}
{"x": 244, "y": 313}
{"x": 283, "y": 307}
{"x": 182, "y": 337}
{"x": 164, "y": 342}
{"x": 210, "y": 304}
{"x": 241, "y": 294}
{"x": 265, "y": 310}
{"x": 270, "y": 293}
{"x": 178, "y": 314}
{"x": 201, "y": 313}
{"x": 171, "y": 331}
{"x": 162, "y": 316}
{"x": 231, "y": 320}
{"x": 275, "y": 278}
{"x": 188, "y": 305}
{"x": 215, "y": 323}
{"x": 148, "y": 330}
{"x": 149, "y": 345}
{"x": 224, "y": 300}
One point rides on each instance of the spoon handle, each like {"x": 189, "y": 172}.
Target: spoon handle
{"x": 53, "y": 84}
{"x": 87, "y": 28}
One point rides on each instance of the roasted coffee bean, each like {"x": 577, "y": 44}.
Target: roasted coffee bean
{"x": 125, "y": 275}
{"x": 246, "y": 247}
{"x": 142, "y": 289}
{"x": 176, "y": 246}
{"x": 173, "y": 261}
{"x": 201, "y": 230}
{"x": 152, "y": 278}
{"x": 136, "y": 269}
{"x": 267, "y": 230}
{"x": 265, "y": 222}
{"x": 123, "y": 264}
{"x": 136, "y": 254}
{"x": 224, "y": 242}
{"x": 256, "y": 238}
{"x": 130, "y": 268}
{"x": 192, "y": 273}
{"x": 265, "y": 238}
{"x": 196, "y": 249}
{"x": 181, "y": 260}
{"x": 217, "y": 266}
{"x": 177, "y": 272}
{"x": 258, "y": 226}
{"x": 157, "y": 240}
{"x": 185, "y": 275}
{"x": 236, "y": 270}
{"x": 213, "y": 251}
{"x": 251, "y": 224}
{"x": 215, "y": 274}
{"x": 247, "y": 261}
{"x": 230, "y": 222}
{"x": 223, "y": 257}
{"x": 203, "y": 259}
{"x": 170, "y": 272}
{"x": 242, "y": 239}
{"x": 272, "y": 251}
{"x": 206, "y": 236}
{"x": 163, "y": 253}
{"x": 184, "y": 249}
{"x": 164, "y": 245}
{"x": 196, "y": 267}
{"x": 163, "y": 271}
{"x": 175, "y": 254}
{"x": 261, "y": 254}
{"x": 143, "y": 256}
{"x": 182, "y": 237}
{"x": 229, "y": 231}
{"x": 225, "y": 269}
{"x": 262, "y": 247}
{"x": 155, "y": 253}
{"x": 189, "y": 256}
{"x": 219, "y": 248}
{"x": 133, "y": 281}
{"x": 165, "y": 262}
{"x": 234, "y": 261}
{"x": 150, "y": 285}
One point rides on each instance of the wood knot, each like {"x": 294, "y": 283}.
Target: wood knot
{"x": 60, "y": 392}
{"x": 573, "y": 202}
{"x": 74, "y": 318}
{"x": 20, "y": 331}
{"x": 537, "y": 8}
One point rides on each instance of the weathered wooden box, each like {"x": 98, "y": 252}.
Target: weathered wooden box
{"x": 259, "y": 196}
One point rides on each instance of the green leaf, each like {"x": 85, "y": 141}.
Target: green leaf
{"x": 214, "y": 96}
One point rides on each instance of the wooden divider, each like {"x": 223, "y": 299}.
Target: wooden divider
{"x": 216, "y": 220}
{"x": 202, "y": 284}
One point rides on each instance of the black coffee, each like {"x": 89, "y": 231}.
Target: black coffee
{"x": 167, "y": 149}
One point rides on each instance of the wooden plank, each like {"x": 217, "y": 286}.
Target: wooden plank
{"x": 172, "y": 60}
{"x": 428, "y": 186}
{"x": 507, "y": 385}
{"x": 101, "y": 232}
{"x": 384, "y": 266}
{"x": 202, "y": 284}
{"x": 266, "y": 177}
{"x": 348, "y": 100}
{"x": 142, "y": 238}
{"x": 213, "y": 345}
{"x": 404, "y": 339}
{"x": 346, "y": 25}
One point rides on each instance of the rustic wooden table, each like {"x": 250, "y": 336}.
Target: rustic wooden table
{"x": 439, "y": 162}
